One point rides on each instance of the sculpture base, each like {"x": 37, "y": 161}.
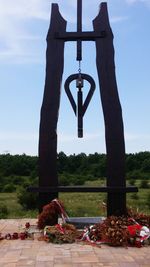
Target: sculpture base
{"x": 81, "y": 222}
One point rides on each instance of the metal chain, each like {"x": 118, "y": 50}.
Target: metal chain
{"x": 79, "y": 70}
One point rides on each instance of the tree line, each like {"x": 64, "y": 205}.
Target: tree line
{"x": 21, "y": 170}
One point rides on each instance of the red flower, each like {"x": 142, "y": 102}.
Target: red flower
{"x": 133, "y": 229}
{"x": 27, "y": 225}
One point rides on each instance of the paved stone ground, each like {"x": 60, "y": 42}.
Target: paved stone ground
{"x": 34, "y": 253}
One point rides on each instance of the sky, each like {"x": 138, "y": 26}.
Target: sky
{"x": 23, "y": 29}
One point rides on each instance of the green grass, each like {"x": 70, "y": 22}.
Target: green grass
{"x": 14, "y": 208}
{"x": 77, "y": 204}
{"x": 138, "y": 200}
{"x": 84, "y": 204}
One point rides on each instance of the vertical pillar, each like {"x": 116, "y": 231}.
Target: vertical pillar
{"x": 114, "y": 133}
{"x": 50, "y": 107}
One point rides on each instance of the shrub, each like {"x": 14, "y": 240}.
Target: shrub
{"x": 64, "y": 180}
{"x": 148, "y": 200}
{"x": 3, "y": 211}
{"x": 71, "y": 179}
{"x": 135, "y": 196}
{"x": 9, "y": 188}
{"x": 144, "y": 184}
{"x": 29, "y": 201}
{"x": 132, "y": 182}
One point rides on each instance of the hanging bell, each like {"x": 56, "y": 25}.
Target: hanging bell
{"x": 79, "y": 81}
{"x": 80, "y": 107}
{"x": 79, "y": 85}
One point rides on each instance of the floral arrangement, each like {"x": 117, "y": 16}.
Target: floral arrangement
{"x": 60, "y": 233}
{"x": 50, "y": 213}
{"x": 132, "y": 230}
{"x": 140, "y": 218}
{"x": 117, "y": 231}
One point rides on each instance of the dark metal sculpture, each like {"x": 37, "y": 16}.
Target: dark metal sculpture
{"x": 114, "y": 133}
{"x": 50, "y": 107}
{"x": 81, "y": 107}
{"x": 103, "y": 37}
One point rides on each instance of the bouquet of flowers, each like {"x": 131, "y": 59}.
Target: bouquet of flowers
{"x": 117, "y": 231}
{"x": 60, "y": 233}
{"x": 50, "y": 213}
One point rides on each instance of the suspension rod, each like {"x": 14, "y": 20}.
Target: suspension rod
{"x": 79, "y": 29}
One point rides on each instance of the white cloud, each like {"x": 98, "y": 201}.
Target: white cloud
{"x": 21, "y": 142}
{"x": 15, "y": 33}
{"x": 24, "y": 9}
{"x": 131, "y": 2}
{"x": 64, "y": 138}
{"x": 135, "y": 137}
{"x": 17, "y": 15}
{"x": 4, "y": 136}
{"x": 118, "y": 19}
{"x": 18, "y": 143}
{"x": 30, "y": 136}
{"x": 13, "y": 30}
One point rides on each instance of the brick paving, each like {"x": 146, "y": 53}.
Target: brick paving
{"x": 34, "y": 253}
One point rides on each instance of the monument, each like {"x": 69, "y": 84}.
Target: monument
{"x": 114, "y": 133}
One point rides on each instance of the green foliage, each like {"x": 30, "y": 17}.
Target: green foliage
{"x": 132, "y": 182}
{"x": 10, "y": 183}
{"x": 139, "y": 202}
{"x": 144, "y": 184}
{"x": 3, "y": 211}
{"x": 137, "y": 175}
{"x": 134, "y": 196}
{"x": 79, "y": 204}
{"x": 93, "y": 165}
{"x": 29, "y": 201}
{"x": 20, "y": 170}
{"x": 15, "y": 210}
{"x": 9, "y": 188}
{"x": 148, "y": 200}
{"x": 21, "y": 165}
{"x": 83, "y": 204}
{"x": 64, "y": 180}
{"x": 146, "y": 165}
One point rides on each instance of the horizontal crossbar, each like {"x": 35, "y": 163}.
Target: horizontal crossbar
{"x": 83, "y": 36}
{"x": 54, "y": 189}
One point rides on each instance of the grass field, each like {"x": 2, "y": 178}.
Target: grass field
{"x": 14, "y": 208}
{"x": 78, "y": 204}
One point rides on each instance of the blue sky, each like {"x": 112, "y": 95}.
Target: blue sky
{"x": 23, "y": 28}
